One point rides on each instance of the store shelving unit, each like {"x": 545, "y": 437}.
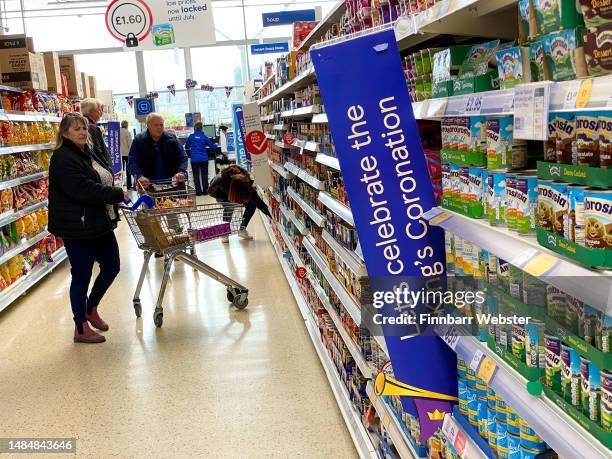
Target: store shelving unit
{"x": 321, "y": 118}
{"x": 332, "y": 17}
{"x": 349, "y": 257}
{"x": 11, "y": 216}
{"x": 316, "y": 217}
{"x": 26, "y": 148}
{"x": 21, "y": 286}
{"x": 358, "y": 432}
{"x": 270, "y": 136}
{"x": 328, "y": 161}
{"x": 290, "y": 215}
{"x": 556, "y": 428}
{"x": 305, "y": 176}
{"x": 337, "y": 207}
{"x": 300, "y": 81}
{"x": 455, "y": 430}
{"x": 267, "y": 118}
{"x": 279, "y": 169}
{"x": 593, "y": 287}
{"x": 302, "y": 112}
{"x": 24, "y": 245}
{"x": 21, "y": 180}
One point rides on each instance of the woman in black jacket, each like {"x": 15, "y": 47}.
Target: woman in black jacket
{"x": 234, "y": 184}
{"x": 83, "y": 212}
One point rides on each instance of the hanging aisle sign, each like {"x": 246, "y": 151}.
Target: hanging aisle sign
{"x": 270, "y": 48}
{"x": 256, "y": 144}
{"x": 388, "y": 185}
{"x": 161, "y": 24}
{"x": 113, "y": 129}
{"x": 288, "y": 17}
{"x": 242, "y": 156}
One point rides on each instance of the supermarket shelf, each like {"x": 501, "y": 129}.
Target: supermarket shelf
{"x": 491, "y": 18}
{"x": 351, "y": 305}
{"x": 10, "y": 89}
{"x": 23, "y": 246}
{"x": 290, "y": 215}
{"x": 270, "y": 136}
{"x": 453, "y": 429}
{"x": 264, "y": 84}
{"x": 350, "y": 258}
{"x": 267, "y": 119}
{"x": 281, "y": 144}
{"x": 21, "y": 180}
{"x": 279, "y": 169}
{"x": 321, "y": 118}
{"x": 328, "y": 161}
{"x": 302, "y": 112}
{"x": 275, "y": 195}
{"x": 366, "y": 369}
{"x": 324, "y": 25}
{"x": 29, "y": 116}
{"x": 305, "y": 176}
{"x": 555, "y": 427}
{"x": 388, "y": 418}
{"x": 25, "y": 148}
{"x": 358, "y": 432}
{"x": 21, "y": 286}
{"x": 280, "y": 127}
{"x": 337, "y": 207}
{"x": 599, "y": 99}
{"x": 593, "y": 287}
{"x": 263, "y": 196}
{"x": 9, "y": 217}
{"x": 316, "y": 217}
{"x": 303, "y": 79}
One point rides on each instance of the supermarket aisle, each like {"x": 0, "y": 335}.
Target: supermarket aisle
{"x": 213, "y": 382}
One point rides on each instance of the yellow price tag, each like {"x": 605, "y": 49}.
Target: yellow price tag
{"x": 386, "y": 421}
{"x": 439, "y": 219}
{"x": 540, "y": 264}
{"x": 584, "y": 93}
{"x": 486, "y": 370}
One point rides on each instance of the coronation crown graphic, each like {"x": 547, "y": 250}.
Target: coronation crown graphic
{"x": 436, "y": 416}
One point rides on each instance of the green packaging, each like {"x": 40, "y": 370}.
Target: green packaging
{"x": 553, "y": 362}
{"x": 570, "y": 375}
{"x": 594, "y": 402}
{"x": 535, "y": 350}
{"x": 606, "y": 400}
{"x": 477, "y": 59}
{"x": 163, "y": 34}
{"x": 559, "y": 48}
{"x": 518, "y": 341}
{"x": 585, "y": 384}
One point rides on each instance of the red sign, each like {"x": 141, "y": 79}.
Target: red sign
{"x": 301, "y": 273}
{"x": 460, "y": 444}
{"x": 256, "y": 142}
{"x": 288, "y": 138}
{"x": 129, "y": 20}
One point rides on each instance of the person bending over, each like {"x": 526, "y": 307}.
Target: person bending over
{"x": 234, "y": 185}
{"x": 83, "y": 212}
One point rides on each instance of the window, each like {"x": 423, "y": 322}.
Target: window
{"x": 105, "y": 67}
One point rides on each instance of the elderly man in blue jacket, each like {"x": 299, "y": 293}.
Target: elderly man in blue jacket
{"x": 156, "y": 154}
{"x": 197, "y": 146}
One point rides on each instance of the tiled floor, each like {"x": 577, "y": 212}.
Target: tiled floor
{"x": 213, "y": 382}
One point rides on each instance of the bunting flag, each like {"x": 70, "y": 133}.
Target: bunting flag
{"x": 228, "y": 91}
{"x": 172, "y": 89}
{"x": 189, "y": 83}
{"x": 207, "y": 88}
{"x": 152, "y": 95}
{"x": 130, "y": 100}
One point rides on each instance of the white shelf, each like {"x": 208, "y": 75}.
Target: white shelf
{"x": 394, "y": 428}
{"x": 264, "y": 84}
{"x": 22, "y": 285}
{"x": 280, "y": 127}
{"x": 29, "y": 116}
{"x": 555, "y": 427}
{"x": 324, "y": 25}
{"x": 328, "y": 161}
{"x": 305, "y": 176}
{"x": 286, "y": 113}
{"x": 25, "y": 148}
{"x": 24, "y": 245}
{"x": 11, "y": 216}
{"x": 350, "y": 258}
{"x": 593, "y": 287}
{"x": 263, "y": 196}
{"x": 279, "y": 169}
{"x": 290, "y": 215}
{"x": 472, "y": 450}
{"x": 337, "y": 207}
{"x": 351, "y": 305}
{"x": 311, "y": 146}
{"x": 321, "y": 118}
{"x": 303, "y": 79}
{"x": 267, "y": 118}
{"x": 21, "y": 180}
{"x": 270, "y": 136}
{"x": 302, "y": 112}
{"x": 365, "y": 368}
{"x": 316, "y": 217}
{"x": 485, "y": 18}
{"x": 276, "y": 196}
{"x": 358, "y": 432}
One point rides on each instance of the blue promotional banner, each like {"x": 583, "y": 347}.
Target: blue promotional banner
{"x": 287, "y": 17}
{"x": 242, "y": 155}
{"x": 270, "y": 48}
{"x": 231, "y": 146}
{"x": 387, "y": 181}
{"x": 113, "y": 129}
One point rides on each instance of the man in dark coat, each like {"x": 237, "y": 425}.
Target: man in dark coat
{"x": 93, "y": 110}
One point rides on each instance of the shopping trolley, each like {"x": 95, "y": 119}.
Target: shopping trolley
{"x": 175, "y": 233}
{"x": 168, "y": 193}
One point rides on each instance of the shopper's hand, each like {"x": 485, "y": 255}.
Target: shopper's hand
{"x": 126, "y": 196}
{"x": 144, "y": 182}
{"x": 180, "y": 177}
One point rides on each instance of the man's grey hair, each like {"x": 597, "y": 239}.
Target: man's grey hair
{"x": 150, "y": 116}
{"x": 90, "y": 104}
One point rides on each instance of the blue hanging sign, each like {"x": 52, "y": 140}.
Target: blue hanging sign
{"x": 270, "y": 48}
{"x": 287, "y": 17}
{"x": 142, "y": 107}
{"x": 242, "y": 155}
{"x": 113, "y": 129}
{"x": 388, "y": 185}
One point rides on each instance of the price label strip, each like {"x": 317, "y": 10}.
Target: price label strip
{"x": 584, "y": 93}
{"x": 473, "y": 105}
{"x": 573, "y": 88}
{"x": 487, "y": 370}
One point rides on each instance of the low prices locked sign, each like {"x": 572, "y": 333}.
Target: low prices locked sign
{"x": 257, "y": 146}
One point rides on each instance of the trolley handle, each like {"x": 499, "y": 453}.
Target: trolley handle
{"x": 144, "y": 199}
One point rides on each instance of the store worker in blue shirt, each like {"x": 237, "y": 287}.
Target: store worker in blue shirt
{"x": 156, "y": 154}
{"x": 197, "y": 147}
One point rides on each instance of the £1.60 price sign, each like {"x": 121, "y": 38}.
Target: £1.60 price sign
{"x": 129, "y": 21}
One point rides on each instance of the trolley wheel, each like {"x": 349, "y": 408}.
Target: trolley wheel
{"x": 241, "y": 301}
{"x": 137, "y": 308}
{"x": 158, "y": 318}
{"x": 230, "y": 294}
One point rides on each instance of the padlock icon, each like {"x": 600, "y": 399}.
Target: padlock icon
{"x": 131, "y": 41}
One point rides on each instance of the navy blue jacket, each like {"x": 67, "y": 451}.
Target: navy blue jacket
{"x": 196, "y": 144}
{"x": 142, "y": 160}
